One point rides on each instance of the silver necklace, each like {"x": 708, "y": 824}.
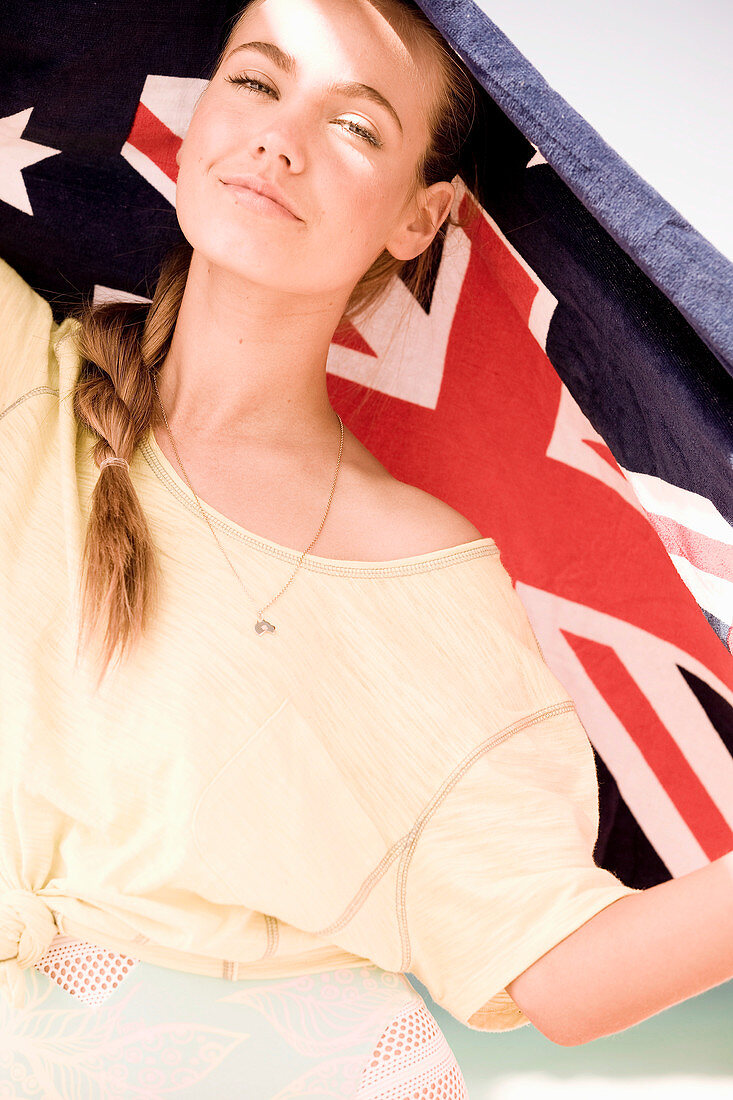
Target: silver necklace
{"x": 261, "y": 625}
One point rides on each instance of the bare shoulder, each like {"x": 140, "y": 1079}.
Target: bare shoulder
{"x": 385, "y": 518}
{"x": 432, "y": 515}
{"x": 419, "y": 522}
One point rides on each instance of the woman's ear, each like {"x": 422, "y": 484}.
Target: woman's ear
{"x": 431, "y": 207}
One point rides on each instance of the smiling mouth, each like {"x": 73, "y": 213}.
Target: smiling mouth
{"x": 247, "y": 197}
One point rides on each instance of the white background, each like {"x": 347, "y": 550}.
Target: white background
{"x": 654, "y": 78}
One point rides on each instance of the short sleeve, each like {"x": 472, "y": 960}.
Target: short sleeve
{"x": 27, "y": 327}
{"x": 502, "y": 868}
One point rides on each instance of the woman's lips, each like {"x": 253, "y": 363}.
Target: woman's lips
{"x": 245, "y": 196}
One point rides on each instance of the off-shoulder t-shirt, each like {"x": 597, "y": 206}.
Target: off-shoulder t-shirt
{"x": 394, "y": 776}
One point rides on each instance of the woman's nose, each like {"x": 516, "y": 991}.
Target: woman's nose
{"x": 281, "y": 139}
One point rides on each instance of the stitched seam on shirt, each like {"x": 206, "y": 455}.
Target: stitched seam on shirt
{"x": 538, "y": 716}
{"x": 366, "y": 887}
{"x": 273, "y": 936}
{"x": 272, "y": 928}
{"x": 407, "y": 842}
{"x": 293, "y": 555}
{"x": 465, "y": 554}
{"x": 23, "y": 397}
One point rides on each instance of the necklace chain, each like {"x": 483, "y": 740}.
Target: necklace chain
{"x": 262, "y": 625}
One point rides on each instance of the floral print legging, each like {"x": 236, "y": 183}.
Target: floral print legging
{"x": 101, "y": 1026}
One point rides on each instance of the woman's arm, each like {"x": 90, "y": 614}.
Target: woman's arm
{"x": 639, "y": 955}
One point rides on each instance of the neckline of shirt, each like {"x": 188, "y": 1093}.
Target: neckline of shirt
{"x": 417, "y": 563}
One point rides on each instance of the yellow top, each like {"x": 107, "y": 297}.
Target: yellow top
{"x": 394, "y": 776}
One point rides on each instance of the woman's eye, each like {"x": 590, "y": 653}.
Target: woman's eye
{"x": 356, "y": 129}
{"x": 248, "y": 81}
{"x": 257, "y": 85}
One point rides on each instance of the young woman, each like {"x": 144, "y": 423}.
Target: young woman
{"x": 303, "y": 776}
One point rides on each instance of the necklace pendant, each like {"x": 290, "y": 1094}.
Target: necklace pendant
{"x": 262, "y": 625}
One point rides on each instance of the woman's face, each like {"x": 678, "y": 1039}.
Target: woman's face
{"x": 343, "y": 162}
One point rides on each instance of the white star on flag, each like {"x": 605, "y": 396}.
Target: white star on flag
{"x": 17, "y": 153}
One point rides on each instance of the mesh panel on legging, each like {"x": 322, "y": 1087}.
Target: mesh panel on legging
{"x": 411, "y": 1061}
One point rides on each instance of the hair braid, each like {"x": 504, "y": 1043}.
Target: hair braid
{"x": 121, "y": 343}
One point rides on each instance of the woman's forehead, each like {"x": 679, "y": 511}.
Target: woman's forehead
{"x": 346, "y": 40}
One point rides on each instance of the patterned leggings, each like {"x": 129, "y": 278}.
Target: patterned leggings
{"x": 103, "y": 1026}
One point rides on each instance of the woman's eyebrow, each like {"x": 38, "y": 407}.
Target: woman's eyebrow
{"x": 353, "y": 89}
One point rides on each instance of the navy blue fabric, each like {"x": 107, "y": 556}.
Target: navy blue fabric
{"x": 82, "y": 67}
{"x": 693, "y": 274}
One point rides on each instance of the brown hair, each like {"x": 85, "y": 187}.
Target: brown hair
{"x": 122, "y": 343}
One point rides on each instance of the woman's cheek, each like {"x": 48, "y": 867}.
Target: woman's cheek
{"x": 367, "y": 210}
